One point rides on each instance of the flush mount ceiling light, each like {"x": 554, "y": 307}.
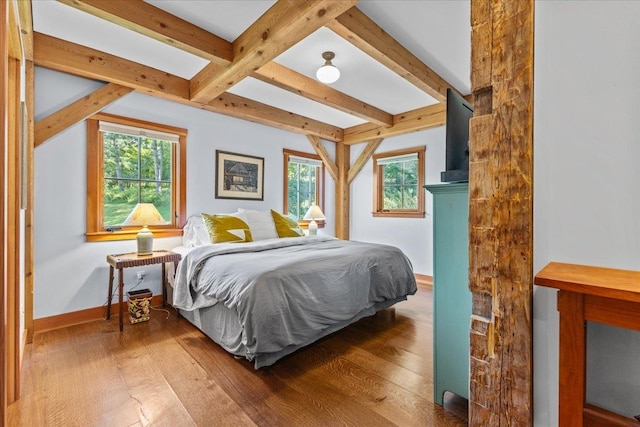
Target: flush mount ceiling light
{"x": 328, "y": 73}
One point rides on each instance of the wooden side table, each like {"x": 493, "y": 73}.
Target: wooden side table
{"x": 122, "y": 261}
{"x": 596, "y": 294}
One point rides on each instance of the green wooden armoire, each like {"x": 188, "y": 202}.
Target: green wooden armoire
{"x": 451, "y": 295}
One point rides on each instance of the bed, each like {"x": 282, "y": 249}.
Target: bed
{"x": 264, "y": 299}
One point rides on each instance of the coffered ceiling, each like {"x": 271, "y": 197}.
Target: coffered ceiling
{"x": 256, "y": 59}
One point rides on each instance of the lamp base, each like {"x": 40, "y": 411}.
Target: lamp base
{"x": 145, "y": 241}
{"x": 313, "y": 228}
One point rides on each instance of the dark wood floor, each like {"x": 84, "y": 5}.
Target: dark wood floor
{"x": 377, "y": 372}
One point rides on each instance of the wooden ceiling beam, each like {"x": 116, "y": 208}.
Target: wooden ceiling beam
{"x": 279, "y": 28}
{"x": 153, "y": 22}
{"x": 285, "y": 78}
{"x": 254, "y": 111}
{"x": 410, "y": 121}
{"x": 357, "y": 28}
{"x": 71, "y": 58}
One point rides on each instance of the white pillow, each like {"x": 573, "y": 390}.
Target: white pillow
{"x": 260, "y": 223}
{"x": 195, "y": 232}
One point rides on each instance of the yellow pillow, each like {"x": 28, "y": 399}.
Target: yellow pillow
{"x": 285, "y": 226}
{"x": 227, "y": 228}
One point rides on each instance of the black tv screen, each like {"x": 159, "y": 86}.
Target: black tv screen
{"x": 459, "y": 112}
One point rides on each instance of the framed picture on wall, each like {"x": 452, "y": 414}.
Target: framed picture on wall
{"x": 239, "y": 176}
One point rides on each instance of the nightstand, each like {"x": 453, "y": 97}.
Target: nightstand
{"x": 122, "y": 261}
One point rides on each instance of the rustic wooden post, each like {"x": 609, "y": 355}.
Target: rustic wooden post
{"x": 343, "y": 160}
{"x": 501, "y": 213}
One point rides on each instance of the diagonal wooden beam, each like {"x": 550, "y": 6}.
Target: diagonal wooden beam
{"x": 324, "y": 155}
{"x": 78, "y": 111}
{"x": 357, "y": 28}
{"x": 81, "y": 61}
{"x": 363, "y": 158}
{"x": 279, "y": 28}
{"x": 302, "y": 85}
{"x": 153, "y": 22}
{"x": 410, "y": 121}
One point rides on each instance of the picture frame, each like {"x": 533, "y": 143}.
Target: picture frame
{"x": 239, "y": 176}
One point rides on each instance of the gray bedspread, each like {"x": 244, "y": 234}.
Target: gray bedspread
{"x": 287, "y": 291}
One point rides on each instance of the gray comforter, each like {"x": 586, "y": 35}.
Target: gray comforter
{"x": 287, "y": 291}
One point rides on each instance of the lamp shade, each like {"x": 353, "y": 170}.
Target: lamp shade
{"x": 144, "y": 214}
{"x": 328, "y": 73}
{"x": 313, "y": 213}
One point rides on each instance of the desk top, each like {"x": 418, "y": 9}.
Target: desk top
{"x": 132, "y": 259}
{"x": 585, "y": 279}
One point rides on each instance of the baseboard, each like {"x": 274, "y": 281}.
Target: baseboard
{"x": 424, "y": 280}
{"x": 81, "y": 316}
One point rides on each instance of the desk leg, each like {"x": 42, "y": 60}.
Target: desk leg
{"x": 120, "y": 290}
{"x": 571, "y": 399}
{"x": 110, "y": 292}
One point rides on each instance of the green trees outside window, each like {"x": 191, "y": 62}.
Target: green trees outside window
{"x": 302, "y": 188}
{"x": 400, "y": 185}
{"x": 137, "y": 169}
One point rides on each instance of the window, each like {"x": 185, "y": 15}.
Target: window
{"x": 398, "y": 177}
{"x": 303, "y": 184}
{"x": 130, "y": 161}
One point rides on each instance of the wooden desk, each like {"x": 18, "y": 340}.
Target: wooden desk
{"x": 595, "y": 294}
{"x": 122, "y": 261}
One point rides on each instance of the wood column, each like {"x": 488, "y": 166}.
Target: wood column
{"x": 343, "y": 159}
{"x": 4, "y": 82}
{"x": 501, "y": 213}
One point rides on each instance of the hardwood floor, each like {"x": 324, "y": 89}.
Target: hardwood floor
{"x": 376, "y": 372}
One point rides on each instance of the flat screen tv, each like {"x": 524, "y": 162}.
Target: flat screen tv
{"x": 459, "y": 112}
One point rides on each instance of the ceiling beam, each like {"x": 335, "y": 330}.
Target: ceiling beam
{"x": 254, "y": 111}
{"x": 285, "y": 78}
{"x": 71, "y": 58}
{"x": 410, "y": 121}
{"x": 279, "y": 28}
{"x": 153, "y": 22}
{"x": 357, "y": 28}
{"x": 77, "y": 111}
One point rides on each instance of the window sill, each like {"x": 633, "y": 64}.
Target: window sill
{"x": 398, "y": 214}
{"x": 103, "y": 236}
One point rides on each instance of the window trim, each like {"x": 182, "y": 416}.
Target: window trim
{"x": 287, "y": 153}
{"x": 378, "y": 198}
{"x": 95, "y": 231}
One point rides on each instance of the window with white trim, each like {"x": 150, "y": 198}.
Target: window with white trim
{"x": 398, "y": 179}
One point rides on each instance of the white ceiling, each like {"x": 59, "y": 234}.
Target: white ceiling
{"x": 436, "y": 31}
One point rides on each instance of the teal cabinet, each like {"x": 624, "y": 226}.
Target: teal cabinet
{"x": 451, "y": 295}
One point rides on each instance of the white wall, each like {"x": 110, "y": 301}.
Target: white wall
{"x": 587, "y": 182}
{"x": 413, "y": 235}
{"x": 71, "y": 274}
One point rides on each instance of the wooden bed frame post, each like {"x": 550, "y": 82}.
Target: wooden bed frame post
{"x": 343, "y": 160}
{"x": 501, "y": 213}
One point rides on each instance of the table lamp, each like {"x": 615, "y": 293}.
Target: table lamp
{"x": 314, "y": 213}
{"x": 144, "y": 214}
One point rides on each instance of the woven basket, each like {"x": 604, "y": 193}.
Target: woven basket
{"x": 139, "y": 303}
